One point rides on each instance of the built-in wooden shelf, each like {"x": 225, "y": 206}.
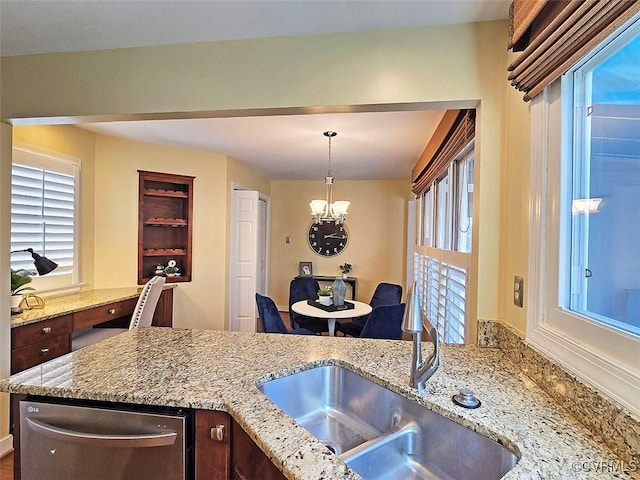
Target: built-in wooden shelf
{"x": 162, "y": 252}
{"x": 164, "y": 224}
{"x": 166, "y": 193}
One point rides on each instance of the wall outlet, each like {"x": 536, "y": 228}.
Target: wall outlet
{"x": 518, "y": 291}
{"x": 287, "y": 239}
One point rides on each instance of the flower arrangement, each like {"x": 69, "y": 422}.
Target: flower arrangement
{"x": 346, "y": 268}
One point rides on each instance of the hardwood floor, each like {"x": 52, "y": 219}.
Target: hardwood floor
{"x": 6, "y": 467}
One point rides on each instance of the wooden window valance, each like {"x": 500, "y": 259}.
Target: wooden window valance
{"x": 552, "y": 36}
{"x": 453, "y": 134}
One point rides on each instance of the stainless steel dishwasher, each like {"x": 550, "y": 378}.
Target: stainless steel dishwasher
{"x": 104, "y": 442}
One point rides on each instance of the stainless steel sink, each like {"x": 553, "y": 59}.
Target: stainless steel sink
{"x": 382, "y": 435}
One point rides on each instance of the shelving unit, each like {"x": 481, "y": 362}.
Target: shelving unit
{"x": 164, "y": 224}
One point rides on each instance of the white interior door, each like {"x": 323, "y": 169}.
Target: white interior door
{"x": 244, "y": 260}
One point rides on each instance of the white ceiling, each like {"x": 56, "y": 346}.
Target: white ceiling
{"x": 369, "y": 146}
{"x": 374, "y": 145}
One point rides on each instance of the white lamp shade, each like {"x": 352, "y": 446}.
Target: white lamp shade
{"x": 340, "y": 207}
{"x": 317, "y": 206}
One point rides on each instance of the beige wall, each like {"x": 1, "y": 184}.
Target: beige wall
{"x": 377, "y": 233}
{"x": 79, "y": 144}
{"x": 201, "y": 302}
{"x": 364, "y": 68}
{"x": 514, "y": 223}
{"x": 5, "y": 219}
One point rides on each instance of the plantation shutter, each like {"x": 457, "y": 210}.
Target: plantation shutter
{"x": 43, "y": 205}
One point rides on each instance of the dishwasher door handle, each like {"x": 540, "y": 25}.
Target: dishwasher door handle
{"x": 101, "y": 440}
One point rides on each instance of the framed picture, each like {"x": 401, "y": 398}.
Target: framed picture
{"x": 306, "y": 269}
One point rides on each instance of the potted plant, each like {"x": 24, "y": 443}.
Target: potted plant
{"x": 324, "y": 295}
{"x": 345, "y": 269}
{"x": 19, "y": 281}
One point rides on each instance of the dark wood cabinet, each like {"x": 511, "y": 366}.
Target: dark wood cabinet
{"x": 231, "y": 456}
{"x": 163, "y": 316}
{"x": 213, "y": 445}
{"x": 164, "y": 224}
{"x": 248, "y": 462}
{"x": 38, "y": 342}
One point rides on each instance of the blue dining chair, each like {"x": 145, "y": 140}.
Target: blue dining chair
{"x": 385, "y": 294}
{"x": 384, "y": 321}
{"x": 305, "y": 288}
{"x": 271, "y": 320}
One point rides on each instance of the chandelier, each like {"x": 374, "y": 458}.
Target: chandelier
{"x": 328, "y": 210}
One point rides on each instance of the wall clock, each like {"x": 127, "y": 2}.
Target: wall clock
{"x": 328, "y": 239}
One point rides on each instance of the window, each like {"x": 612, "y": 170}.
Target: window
{"x": 442, "y": 213}
{"x": 585, "y": 220}
{"x": 604, "y": 281}
{"x": 464, "y": 202}
{"x": 445, "y": 210}
{"x": 446, "y": 223}
{"x": 44, "y": 208}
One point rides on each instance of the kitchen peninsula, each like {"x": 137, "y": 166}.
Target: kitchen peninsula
{"x": 216, "y": 370}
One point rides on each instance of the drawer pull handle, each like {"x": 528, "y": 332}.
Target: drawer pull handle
{"x": 217, "y": 433}
{"x": 44, "y": 351}
{"x": 112, "y": 311}
{"x": 46, "y": 330}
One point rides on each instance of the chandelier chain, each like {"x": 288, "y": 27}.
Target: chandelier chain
{"x": 330, "y": 175}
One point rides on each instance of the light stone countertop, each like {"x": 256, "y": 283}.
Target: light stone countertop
{"x": 220, "y": 370}
{"x": 65, "y": 304}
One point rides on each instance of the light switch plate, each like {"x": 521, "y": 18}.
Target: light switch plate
{"x": 518, "y": 291}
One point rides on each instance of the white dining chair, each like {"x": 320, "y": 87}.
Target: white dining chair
{"x": 142, "y": 316}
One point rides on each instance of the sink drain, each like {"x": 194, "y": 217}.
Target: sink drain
{"x": 331, "y": 446}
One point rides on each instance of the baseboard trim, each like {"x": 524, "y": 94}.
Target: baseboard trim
{"x": 6, "y": 445}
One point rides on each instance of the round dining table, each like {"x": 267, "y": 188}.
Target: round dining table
{"x": 359, "y": 309}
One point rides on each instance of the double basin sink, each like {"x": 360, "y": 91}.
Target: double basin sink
{"x": 382, "y": 435}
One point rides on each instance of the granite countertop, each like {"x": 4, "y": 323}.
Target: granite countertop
{"x": 220, "y": 370}
{"x": 65, "y": 304}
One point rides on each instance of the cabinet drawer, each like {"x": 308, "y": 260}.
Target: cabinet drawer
{"x": 38, "y": 332}
{"x": 31, "y": 355}
{"x": 103, "y": 313}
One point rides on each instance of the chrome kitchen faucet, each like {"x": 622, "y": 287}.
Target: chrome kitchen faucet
{"x": 413, "y": 323}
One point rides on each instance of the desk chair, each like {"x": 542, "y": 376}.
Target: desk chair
{"x": 385, "y": 294}
{"x": 384, "y": 321}
{"x": 142, "y": 316}
{"x": 271, "y": 320}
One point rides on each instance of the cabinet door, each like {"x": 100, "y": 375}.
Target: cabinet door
{"x": 248, "y": 462}
{"x": 163, "y": 316}
{"x": 213, "y": 455}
